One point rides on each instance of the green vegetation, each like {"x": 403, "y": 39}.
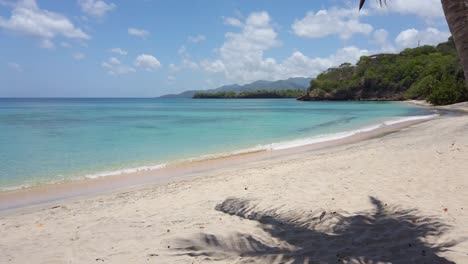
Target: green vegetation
{"x": 250, "y": 95}
{"x": 431, "y": 73}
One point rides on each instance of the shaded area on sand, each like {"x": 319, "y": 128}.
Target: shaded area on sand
{"x": 385, "y": 234}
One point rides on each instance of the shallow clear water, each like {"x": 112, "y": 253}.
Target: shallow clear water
{"x": 47, "y": 140}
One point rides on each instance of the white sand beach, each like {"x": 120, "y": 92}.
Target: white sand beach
{"x": 397, "y": 198}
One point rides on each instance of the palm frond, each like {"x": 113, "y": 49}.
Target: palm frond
{"x": 381, "y": 2}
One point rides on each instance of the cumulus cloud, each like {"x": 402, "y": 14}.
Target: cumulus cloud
{"x": 381, "y": 39}
{"x": 197, "y": 38}
{"x": 241, "y": 58}
{"x": 422, "y": 8}
{"x": 114, "y": 66}
{"x": 213, "y": 66}
{"x": 147, "y": 62}
{"x": 185, "y": 63}
{"x": 186, "y": 60}
{"x": 299, "y": 65}
{"x": 256, "y": 36}
{"x": 411, "y": 38}
{"x": 118, "y": 51}
{"x": 241, "y": 55}
{"x": 96, "y": 8}
{"x": 335, "y": 21}
{"x": 28, "y": 19}
{"x": 230, "y": 21}
{"x": 138, "y": 32}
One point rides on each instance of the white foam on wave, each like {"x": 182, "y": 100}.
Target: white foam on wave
{"x": 410, "y": 118}
{"x": 15, "y": 188}
{"x": 88, "y": 176}
{"x": 124, "y": 171}
{"x": 342, "y": 135}
{"x": 312, "y": 140}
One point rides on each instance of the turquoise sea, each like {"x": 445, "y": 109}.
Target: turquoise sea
{"x": 53, "y": 140}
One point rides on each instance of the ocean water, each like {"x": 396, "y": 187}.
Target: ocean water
{"x": 54, "y": 140}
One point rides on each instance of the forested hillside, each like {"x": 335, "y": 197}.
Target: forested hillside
{"x": 431, "y": 73}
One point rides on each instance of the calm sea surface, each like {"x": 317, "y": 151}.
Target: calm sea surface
{"x": 51, "y": 140}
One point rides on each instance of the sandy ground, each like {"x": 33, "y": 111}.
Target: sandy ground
{"x": 400, "y": 198}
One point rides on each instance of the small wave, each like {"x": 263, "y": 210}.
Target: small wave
{"x": 342, "y": 135}
{"x": 88, "y": 176}
{"x": 124, "y": 171}
{"x": 15, "y": 188}
{"x": 311, "y": 140}
{"x": 410, "y": 118}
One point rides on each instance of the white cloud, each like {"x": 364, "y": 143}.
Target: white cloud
{"x": 230, "y": 21}
{"x": 15, "y": 66}
{"x": 95, "y": 8}
{"x": 28, "y": 19}
{"x": 113, "y": 66}
{"x": 260, "y": 19}
{"x": 411, "y": 38}
{"x": 138, "y": 32}
{"x": 422, "y": 8}
{"x": 241, "y": 57}
{"x": 381, "y": 39}
{"x": 299, "y": 65}
{"x": 215, "y": 66}
{"x": 78, "y": 56}
{"x": 186, "y": 63}
{"x": 257, "y": 35}
{"x": 335, "y": 21}
{"x": 118, "y": 51}
{"x": 147, "y": 62}
{"x": 197, "y": 38}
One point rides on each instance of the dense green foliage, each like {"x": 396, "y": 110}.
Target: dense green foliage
{"x": 431, "y": 73}
{"x": 254, "y": 94}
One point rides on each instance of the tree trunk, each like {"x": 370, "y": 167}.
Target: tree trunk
{"x": 456, "y": 12}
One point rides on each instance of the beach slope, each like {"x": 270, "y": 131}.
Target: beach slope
{"x": 398, "y": 198}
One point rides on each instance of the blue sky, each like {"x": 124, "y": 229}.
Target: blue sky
{"x": 146, "y": 48}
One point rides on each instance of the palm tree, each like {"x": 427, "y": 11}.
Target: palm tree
{"x": 456, "y": 13}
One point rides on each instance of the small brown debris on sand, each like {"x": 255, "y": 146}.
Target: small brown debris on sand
{"x": 322, "y": 215}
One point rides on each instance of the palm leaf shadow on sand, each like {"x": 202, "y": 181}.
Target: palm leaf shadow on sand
{"x": 386, "y": 234}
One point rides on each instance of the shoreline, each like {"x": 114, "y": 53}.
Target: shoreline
{"x": 395, "y": 191}
{"x": 38, "y": 195}
{"x": 458, "y": 107}
{"x": 164, "y": 148}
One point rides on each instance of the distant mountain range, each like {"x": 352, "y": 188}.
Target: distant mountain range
{"x": 289, "y": 84}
